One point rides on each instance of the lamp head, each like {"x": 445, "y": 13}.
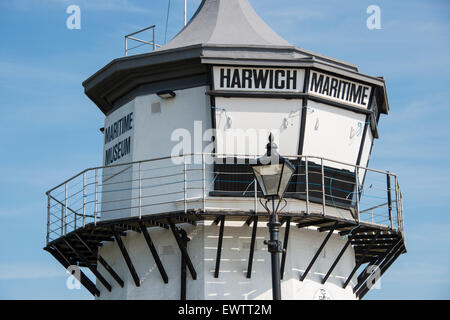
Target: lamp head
{"x": 273, "y": 172}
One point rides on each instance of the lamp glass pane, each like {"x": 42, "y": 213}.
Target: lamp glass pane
{"x": 285, "y": 178}
{"x": 268, "y": 177}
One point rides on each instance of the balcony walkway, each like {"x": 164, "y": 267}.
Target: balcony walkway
{"x": 103, "y": 204}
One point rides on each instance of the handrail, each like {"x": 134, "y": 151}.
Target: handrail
{"x": 148, "y": 186}
{"x": 144, "y": 42}
{"x": 217, "y": 155}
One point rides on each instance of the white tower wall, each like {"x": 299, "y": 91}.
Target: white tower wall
{"x": 232, "y": 282}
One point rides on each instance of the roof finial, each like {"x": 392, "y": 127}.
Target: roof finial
{"x": 271, "y": 146}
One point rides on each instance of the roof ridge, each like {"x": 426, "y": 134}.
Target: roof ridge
{"x": 232, "y": 22}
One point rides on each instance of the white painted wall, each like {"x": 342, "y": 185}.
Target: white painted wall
{"x": 114, "y": 186}
{"x": 238, "y": 119}
{"x": 151, "y": 138}
{"x": 232, "y": 282}
{"x": 368, "y": 141}
{"x": 153, "y": 131}
{"x": 333, "y": 133}
{"x": 330, "y": 132}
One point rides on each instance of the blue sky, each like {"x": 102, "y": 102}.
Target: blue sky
{"x": 50, "y": 128}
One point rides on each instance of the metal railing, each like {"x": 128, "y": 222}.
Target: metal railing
{"x": 209, "y": 182}
{"x": 142, "y": 42}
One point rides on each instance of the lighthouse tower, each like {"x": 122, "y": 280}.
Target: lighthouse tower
{"x": 175, "y": 211}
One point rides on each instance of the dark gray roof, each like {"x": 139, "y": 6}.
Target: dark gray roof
{"x": 222, "y": 32}
{"x": 226, "y": 22}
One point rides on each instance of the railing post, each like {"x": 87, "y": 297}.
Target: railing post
{"x": 185, "y": 12}
{"x": 396, "y": 202}
{"x": 389, "y": 196}
{"x": 96, "y": 197}
{"x": 357, "y": 193}
{"x": 48, "y": 218}
{"x": 154, "y": 43}
{"x": 204, "y": 182}
{"x": 399, "y": 198}
{"x": 185, "y": 186}
{"x": 65, "y": 209}
{"x": 62, "y": 220}
{"x": 84, "y": 199}
{"x": 323, "y": 186}
{"x": 401, "y": 210}
{"x": 126, "y": 46}
{"x": 140, "y": 192}
{"x": 307, "y": 185}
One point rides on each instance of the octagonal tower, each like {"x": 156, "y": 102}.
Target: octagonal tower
{"x": 174, "y": 210}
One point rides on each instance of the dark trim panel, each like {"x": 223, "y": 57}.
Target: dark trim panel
{"x": 254, "y": 94}
{"x": 190, "y": 82}
{"x": 301, "y": 140}
{"x": 366, "y": 126}
{"x": 274, "y": 95}
{"x": 212, "y": 100}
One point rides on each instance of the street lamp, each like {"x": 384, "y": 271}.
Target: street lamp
{"x": 273, "y": 173}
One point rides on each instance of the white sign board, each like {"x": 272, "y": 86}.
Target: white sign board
{"x": 259, "y": 79}
{"x": 339, "y": 90}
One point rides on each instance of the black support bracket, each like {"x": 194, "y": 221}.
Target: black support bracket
{"x": 336, "y": 261}
{"x": 183, "y": 286}
{"x": 84, "y": 280}
{"x": 219, "y": 246}
{"x": 183, "y": 250}
{"x": 89, "y": 265}
{"x": 303, "y": 277}
{"x": 285, "y": 244}
{"x": 126, "y": 257}
{"x": 154, "y": 252}
{"x": 252, "y": 247}
{"x": 366, "y": 251}
{"x": 379, "y": 264}
{"x": 101, "y": 260}
{"x": 363, "y": 291}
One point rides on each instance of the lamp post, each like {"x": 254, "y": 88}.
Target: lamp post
{"x": 273, "y": 173}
